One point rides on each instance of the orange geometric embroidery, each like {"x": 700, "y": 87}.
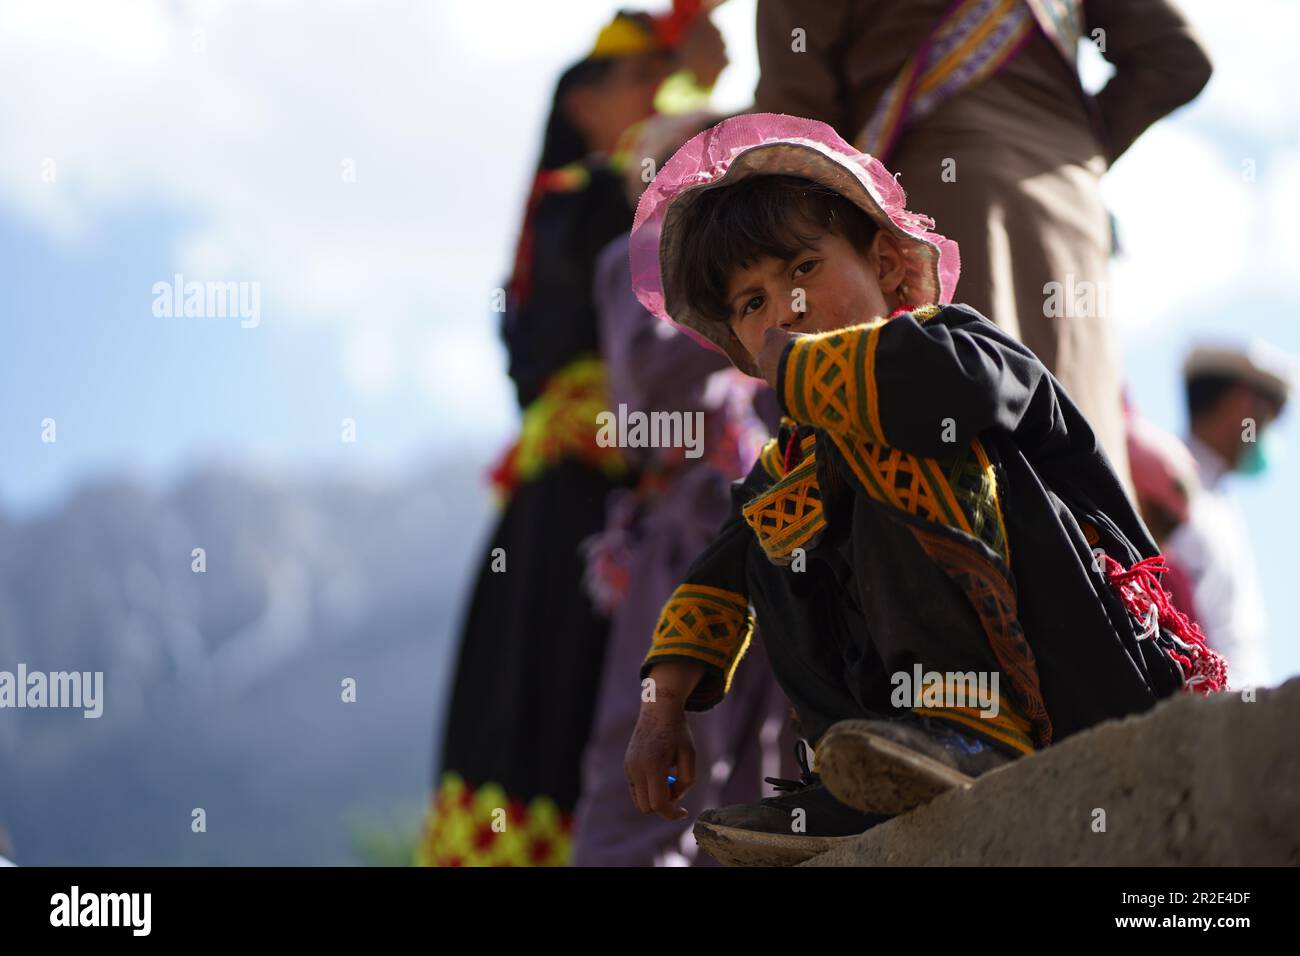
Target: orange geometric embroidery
{"x": 994, "y": 601}
{"x": 770, "y": 457}
{"x": 960, "y": 492}
{"x": 828, "y": 382}
{"x": 1007, "y": 726}
{"x": 830, "y": 379}
{"x": 710, "y": 624}
{"x": 789, "y": 514}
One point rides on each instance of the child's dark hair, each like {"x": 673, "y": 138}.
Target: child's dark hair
{"x": 729, "y": 228}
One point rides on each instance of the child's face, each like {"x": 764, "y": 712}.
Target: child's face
{"x": 827, "y": 285}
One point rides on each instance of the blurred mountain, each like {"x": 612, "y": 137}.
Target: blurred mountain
{"x": 222, "y": 688}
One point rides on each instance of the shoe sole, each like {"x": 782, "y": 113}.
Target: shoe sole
{"x": 878, "y": 775}
{"x": 732, "y": 846}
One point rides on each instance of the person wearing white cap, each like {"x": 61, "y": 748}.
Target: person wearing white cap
{"x": 1234, "y": 394}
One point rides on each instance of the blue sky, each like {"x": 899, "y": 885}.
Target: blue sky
{"x": 210, "y": 138}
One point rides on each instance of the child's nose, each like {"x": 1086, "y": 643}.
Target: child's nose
{"x": 795, "y": 313}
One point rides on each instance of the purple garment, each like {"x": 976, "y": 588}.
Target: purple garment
{"x": 651, "y": 367}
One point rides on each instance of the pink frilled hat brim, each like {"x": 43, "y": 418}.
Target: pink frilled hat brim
{"x": 756, "y": 144}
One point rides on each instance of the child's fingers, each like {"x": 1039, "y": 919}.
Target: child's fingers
{"x": 637, "y": 785}
{"x": 661, "y": 801}
{"x": 657, "y": 792}
{"x": 639, "y": 773}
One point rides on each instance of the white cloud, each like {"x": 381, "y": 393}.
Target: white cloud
{"x": 370, "y": 358}
{"x": 735, "y": 87}
{"x": 1195, "y": 229}
{"x": 452, "y": 371}
{"x": 1188, "y": 225}
{"x": 245, "y": 117}
{"x": 1279, "y": 181}
{"x": 1252, "y": 46}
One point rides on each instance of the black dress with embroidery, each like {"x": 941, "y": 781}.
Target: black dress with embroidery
{"x": 947, "y": 507}
{"x": 532, "y": 645}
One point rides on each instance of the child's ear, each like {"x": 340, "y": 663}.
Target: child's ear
{"x": 891, "y": 269}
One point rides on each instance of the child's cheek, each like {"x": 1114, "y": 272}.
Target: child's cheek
{"x": 841, "y": 311}
{"x": 868, "y": 305}
{"x": 751, "y": 336}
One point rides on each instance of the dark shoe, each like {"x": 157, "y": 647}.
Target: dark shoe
{"x": 892, "y": 766}
{"x": 771, "y": 833}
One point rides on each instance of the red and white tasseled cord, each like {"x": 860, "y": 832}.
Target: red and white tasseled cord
{"x": 1204, "y": 670}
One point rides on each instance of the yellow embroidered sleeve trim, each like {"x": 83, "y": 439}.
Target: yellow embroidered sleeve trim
{"x": 1008, "y": 726}
{"x": 773, "y": 456}
{"x": 830, "y": 378}
{"x": 1001, "y": 542}
{"x": 830, "y": 381}
{"x": 770, "y": 456}
{"x": 961, "y": 492}
{"x": 789, "y": 514}
{"x": 710, "y": 624}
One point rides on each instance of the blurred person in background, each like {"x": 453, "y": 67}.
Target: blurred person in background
{"x": 1234, "y": 395}
{"x": 979, "y": 107}
{"x": 654, "y": 530}
{"x": 531, "y": 646}
{"x": 1166, "y": 481}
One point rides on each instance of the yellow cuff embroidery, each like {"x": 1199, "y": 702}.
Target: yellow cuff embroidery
{"x": 710, "y": 624}
{"x": 830, "y": 382}
{"x": 771, "y": 459}
{"x": 830, "y": 378}
{"x": 789, "y": 514}
{"x": 1008, "y": 726}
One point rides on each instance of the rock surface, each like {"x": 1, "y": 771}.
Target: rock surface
{"x": 1194, "y": 782}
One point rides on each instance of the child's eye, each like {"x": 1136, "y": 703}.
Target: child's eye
{"x": 745, "y": 310}
{"x": 805, "y": 267}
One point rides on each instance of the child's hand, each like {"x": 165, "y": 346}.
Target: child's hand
{"x": 662, "y": 740}
{"x": 769, "y": 360}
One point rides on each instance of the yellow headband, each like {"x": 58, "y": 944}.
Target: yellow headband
{"x": 624, "y": 36}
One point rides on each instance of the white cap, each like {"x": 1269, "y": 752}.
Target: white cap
{"x": 1256, "y": 363}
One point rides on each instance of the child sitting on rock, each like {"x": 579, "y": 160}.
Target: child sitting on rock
{"x": 935, "y": 503}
